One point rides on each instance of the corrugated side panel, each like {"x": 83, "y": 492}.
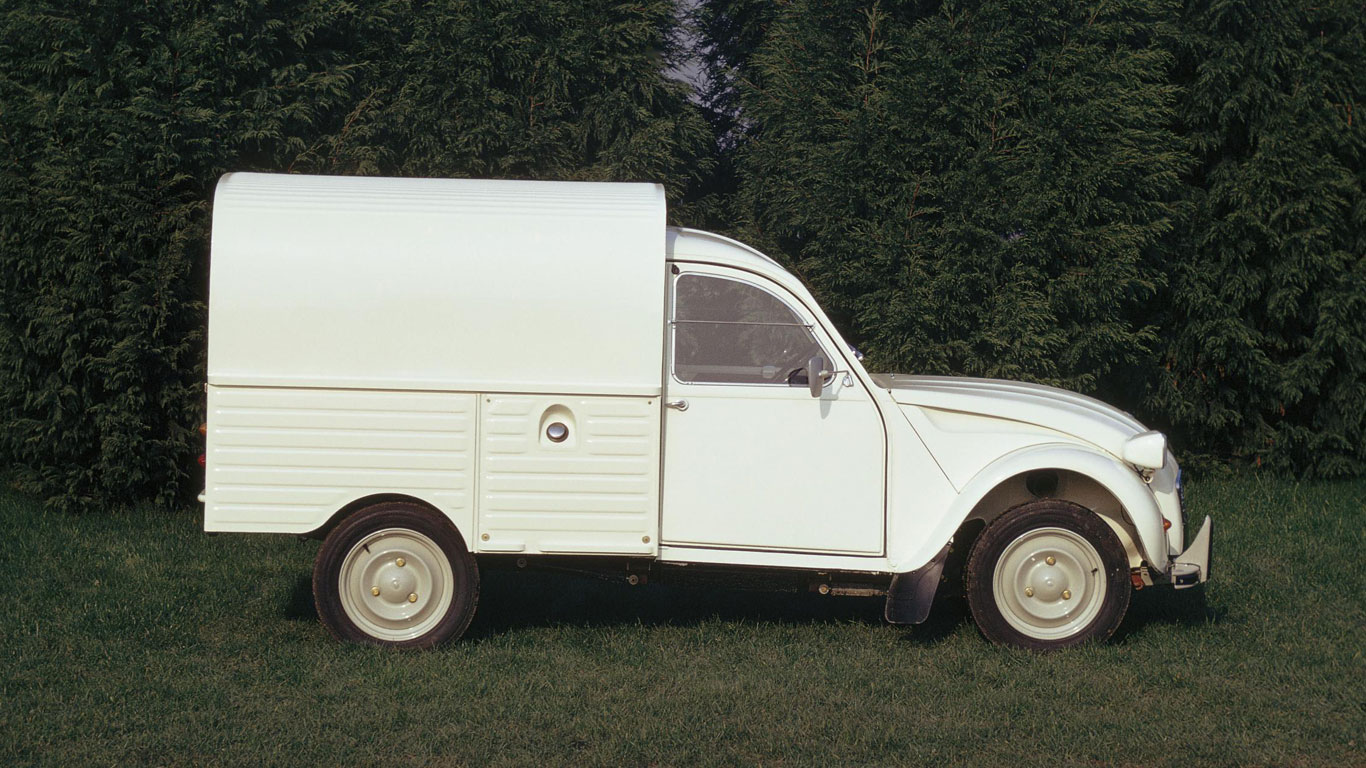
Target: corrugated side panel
{"x": 596, "y": 492}
{"x": 284, "y": 460}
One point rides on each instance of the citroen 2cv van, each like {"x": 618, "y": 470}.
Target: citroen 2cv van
{"x": 435, "y": 376}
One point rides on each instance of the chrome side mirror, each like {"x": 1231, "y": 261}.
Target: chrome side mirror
{"x": 815, "y": 375}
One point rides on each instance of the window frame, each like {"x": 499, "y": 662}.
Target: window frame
{"x": 803, "y": 322}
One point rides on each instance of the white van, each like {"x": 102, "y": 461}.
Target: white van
{"x": 435, "y": 376}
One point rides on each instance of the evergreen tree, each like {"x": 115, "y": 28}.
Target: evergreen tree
{"x": 1265, "y": 344}
{"x": 971, "y": 187}
{"x": 729, "y": 32}
{"x": 547, "y": 89}
{"x": 117, "y": 118}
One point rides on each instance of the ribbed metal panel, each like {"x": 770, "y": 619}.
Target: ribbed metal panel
{"x": 597, "y": 491}
{"x": 286, "y": 459}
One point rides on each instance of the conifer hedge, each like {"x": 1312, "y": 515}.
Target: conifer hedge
{"x": 1160, "y": 204}
{"x": 1156, "y": 202}
{"x": 1263, "y": 355}
{"x": 118, "y": 117}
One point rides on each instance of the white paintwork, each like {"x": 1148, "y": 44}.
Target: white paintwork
{"x": 596, "y": 491}
{"x": 965, "y": 443}
{"x": 745, "y": 464}
{"x": 285, "y": 460}
{"x": 1162, "y": 484}
{"x": 971, "y": 425}
{"x": 436, "y": 284}
{"x": 1055, "y": 409}
{"x": 1147, "y": 450}
{"x": 918, "y": 492}
{"x": 412, "y": 337}
{"x": 1197, "y": 554}
{"x": 1140, "y": 508}
{"x": 772, "y": 559}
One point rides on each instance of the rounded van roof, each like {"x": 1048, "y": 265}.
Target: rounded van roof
{"x": 444, "y": 284}
{"x": 695, "y": 244}
{"x": 448, "y": 284}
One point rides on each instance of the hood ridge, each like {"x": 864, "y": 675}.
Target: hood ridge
{"x": 1085, "y": 417}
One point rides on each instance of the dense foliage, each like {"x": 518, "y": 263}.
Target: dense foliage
{"x": 1158, "y": 203}
{"x": 117, "y": 118}
{"x": 971, "y": 190}
{"x": 1264, "y": 350}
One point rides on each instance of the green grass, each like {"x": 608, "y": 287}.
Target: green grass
{"x": 134, "y": 638}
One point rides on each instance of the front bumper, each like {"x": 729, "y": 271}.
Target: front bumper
{"x": 1191, "y": 568}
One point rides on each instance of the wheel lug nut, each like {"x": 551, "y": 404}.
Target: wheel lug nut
{"x": 374, "y": 591}
{"x": 1067, "y": 594}
{"x": 412, "y": 598}
{"x": 1029, "y": 591}
{"x": 1048, "y": 560}
{"x": 400, "y": 562}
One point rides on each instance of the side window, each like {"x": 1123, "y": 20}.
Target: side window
{"x": 732, "y": 332}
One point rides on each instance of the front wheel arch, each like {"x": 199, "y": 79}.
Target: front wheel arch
{"x": 1136, "y": 508}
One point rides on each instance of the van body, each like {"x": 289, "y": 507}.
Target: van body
{"x": 440, "y": 375}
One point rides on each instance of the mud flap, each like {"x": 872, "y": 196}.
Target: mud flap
{"x": 910, "y": 595}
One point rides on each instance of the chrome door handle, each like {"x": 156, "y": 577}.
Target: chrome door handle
{"x": 681, "y": 405}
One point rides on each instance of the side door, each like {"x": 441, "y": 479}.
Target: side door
{"x": 751, "y": 459}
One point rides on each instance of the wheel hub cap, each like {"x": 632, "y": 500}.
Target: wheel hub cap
{"x": 396, "y": 584}
{"x": 1049, "y": 583}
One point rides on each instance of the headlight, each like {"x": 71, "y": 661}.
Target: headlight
{"x": 1147, "y": 450}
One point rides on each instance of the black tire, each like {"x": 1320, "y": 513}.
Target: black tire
{"x": 400, "y": 532}
{"x": 1033, "y": 608}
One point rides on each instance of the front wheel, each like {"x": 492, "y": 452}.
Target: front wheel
{"x": 1048, "y": 574}
{"x": 395, "y": 574}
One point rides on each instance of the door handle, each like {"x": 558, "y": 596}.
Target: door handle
{"x": 681, "y": 405}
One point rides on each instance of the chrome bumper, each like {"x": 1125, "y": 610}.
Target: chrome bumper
{"x": 1191, "y": 567}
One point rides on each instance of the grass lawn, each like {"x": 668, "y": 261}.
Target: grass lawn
{"x": 134, "y": 638}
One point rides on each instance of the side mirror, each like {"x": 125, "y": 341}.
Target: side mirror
{"x": 815, "y": 375}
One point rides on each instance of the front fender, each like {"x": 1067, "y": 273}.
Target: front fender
{"x": 1134, "y": 496}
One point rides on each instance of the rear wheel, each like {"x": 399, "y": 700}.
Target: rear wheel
{"x": 1048, "y": 574}
{"x": 395, "y": 574}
